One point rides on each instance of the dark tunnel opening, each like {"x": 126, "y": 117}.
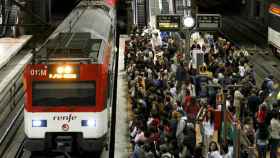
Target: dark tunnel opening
{"x": 62, "y": 7}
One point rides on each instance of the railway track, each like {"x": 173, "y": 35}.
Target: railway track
{"x": 22, "y": 153}
{"x": 11, "y": 96}
{"x": 11, "y": 102}
{"x": 243, "y": 33}
{"x": 244, "y": 36}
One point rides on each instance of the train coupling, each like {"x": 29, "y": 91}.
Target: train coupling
{"x": 64, "y": 143}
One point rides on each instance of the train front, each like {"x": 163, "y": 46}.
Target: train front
{"x": 67, "y": 88}
{"x": 65, "y": 102}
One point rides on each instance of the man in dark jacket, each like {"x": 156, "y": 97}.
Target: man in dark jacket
{"x": 253, "y": 103}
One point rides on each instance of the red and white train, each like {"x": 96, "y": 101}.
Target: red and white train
{"x": 69, "y": 85}
{"x": 274, "y": 28}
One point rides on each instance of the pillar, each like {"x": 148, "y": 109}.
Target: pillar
{"x": 252, "y": 7}
{"x": 42, "y": 8}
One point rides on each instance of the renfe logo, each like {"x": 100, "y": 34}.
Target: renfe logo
{"x": 67, "y": 118}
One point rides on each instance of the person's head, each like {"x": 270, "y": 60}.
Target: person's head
{"x": 176, "y": 115}
{"x": 224, "y": 149}
{"x": 275, "y": 114}
{"x": 198, "y": 151}
{"x": 213, "y": 146}
{"x": 248, "y": 120}
{"x": 167, "y": 98}
{"x": 163, "y": 148}
{"x": 274, "y": 105}
{"x": 147, "y": 147}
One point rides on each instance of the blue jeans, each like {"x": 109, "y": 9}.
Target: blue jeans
{"x": 274, "y": 143}
{"x": 262, "y": 151}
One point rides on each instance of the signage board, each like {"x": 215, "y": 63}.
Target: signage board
{"x": 168, "y": 22}
{"x": 209, "y": 21}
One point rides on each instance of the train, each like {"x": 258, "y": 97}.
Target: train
{"x": 274, "y": 28}
{"x": 69, "y": 84}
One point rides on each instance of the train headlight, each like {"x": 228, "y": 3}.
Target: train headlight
{"x": 60, "y": 69}
{"x": 39, "y": 123}
{"x": 64, "y": 69}
{"x": 89, "y": 123}
{"x": 67, "y": 69}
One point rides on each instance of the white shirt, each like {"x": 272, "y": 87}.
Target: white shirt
{"x": 156, "y": 41}
{"x": 208, "y": 128}
{"x": 214, "y": 154}
{"x": 173, "y": 91}
{"x": 242, "y": 71}
{"x": 275, "y": 128}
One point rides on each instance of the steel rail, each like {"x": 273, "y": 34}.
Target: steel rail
{"x": 20, "y": 150}
{"x": 11, "y": 125}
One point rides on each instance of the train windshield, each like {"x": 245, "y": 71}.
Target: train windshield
{"x": 64, "y": 93}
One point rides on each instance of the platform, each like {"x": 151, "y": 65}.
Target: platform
{"x": 9, "y": 47}
{"x": 121, "y": 134}
{"x": 12, "y": 61}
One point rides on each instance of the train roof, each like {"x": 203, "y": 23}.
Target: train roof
{"x": 78, "y": 45}
{"x": 85, "y": 29}
{"x": 87, "y": 18}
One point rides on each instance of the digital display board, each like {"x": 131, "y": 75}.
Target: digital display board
{"x": 63, "y": 72}
{"x": 168, "y": 22}
{"x": 209, "y": 21}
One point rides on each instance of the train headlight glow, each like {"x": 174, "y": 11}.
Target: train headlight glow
{"x": 89, "y": 123}
{"x": 64, "y": 72}
{"x": 39, "y": 123}
{"x": 67, "y": 69}
{"x": 60, "y": 69}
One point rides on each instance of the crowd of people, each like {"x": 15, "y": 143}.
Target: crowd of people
{"x": 167, "y": 93}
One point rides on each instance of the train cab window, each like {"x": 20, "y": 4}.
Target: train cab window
{"x": 64, "y": 93}
{"x": 94, "y": 48}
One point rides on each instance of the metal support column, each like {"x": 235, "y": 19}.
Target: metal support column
{"x": 252, "y": 7}
{"x": 30, "y": 12}
{"x": 187, "y": 53}
{"x": 224, "y": 114}
{"x": 187, "y": 12}
{"x": 3, "y": 8}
